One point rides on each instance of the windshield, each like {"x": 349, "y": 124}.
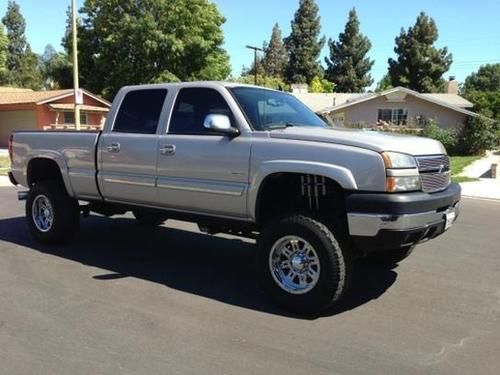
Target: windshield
{"x": 267, "y": 110}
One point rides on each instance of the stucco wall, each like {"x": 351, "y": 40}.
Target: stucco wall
{"x": 367, "y": 112}
{"x": 47, "y": 116}
{"x": 15, "y": 120}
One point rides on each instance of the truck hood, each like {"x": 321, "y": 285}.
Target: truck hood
{"x": 371, "y": 140}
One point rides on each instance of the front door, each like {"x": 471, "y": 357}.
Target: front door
{"x": 200, "y": 171}
{"x": 128, "y": 151}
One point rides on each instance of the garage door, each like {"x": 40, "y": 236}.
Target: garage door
{"x": 15, "y": 120}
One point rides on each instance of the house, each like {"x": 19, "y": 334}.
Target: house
{"x": 25, "y": 109}
{"x": 397, "y": 106}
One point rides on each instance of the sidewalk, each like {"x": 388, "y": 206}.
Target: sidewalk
{"x": 486, "y": 187}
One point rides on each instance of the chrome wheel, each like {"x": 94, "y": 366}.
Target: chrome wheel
{"x": 294, "y": 265}
{"x": 42, "y": 213}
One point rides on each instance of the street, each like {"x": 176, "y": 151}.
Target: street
{"x": 124, "y": 299}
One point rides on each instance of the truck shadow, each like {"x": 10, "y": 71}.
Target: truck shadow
{"x": 213, "y": 267}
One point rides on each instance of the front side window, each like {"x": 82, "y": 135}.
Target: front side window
{"x": 267, "y": 109}
{"x": 192, "y": 107}
{"x": 395, "y": 116}
{"x": 140, "y": 111}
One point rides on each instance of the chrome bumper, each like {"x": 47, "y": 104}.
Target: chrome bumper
{"x": 369, "y": 225}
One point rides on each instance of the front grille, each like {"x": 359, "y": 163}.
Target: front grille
{"x": 434, "y": 172}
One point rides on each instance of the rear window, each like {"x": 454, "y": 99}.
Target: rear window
{"x": 140, "y": 111}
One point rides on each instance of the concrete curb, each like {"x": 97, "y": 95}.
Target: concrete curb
{"x": 4, "y": 181}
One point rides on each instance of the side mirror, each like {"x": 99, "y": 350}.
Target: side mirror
{"x": 220, "y": 124}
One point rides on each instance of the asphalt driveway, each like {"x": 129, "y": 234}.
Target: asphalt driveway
{"x": 122, "y": 299}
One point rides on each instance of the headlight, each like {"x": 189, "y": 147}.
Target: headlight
{"x": 398, "y": 160}
{"x": 402, "y": 172}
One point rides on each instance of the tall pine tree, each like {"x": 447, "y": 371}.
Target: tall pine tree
{"x": 304, "y": 44}
{"x": 419, "y": 66}
{"x": 16, "y": 25}
{"x": 3, "y": 55}
{"x": 275, "y": 57}
{"x": 21, "y": 61}
{"x": 348, "y": 66}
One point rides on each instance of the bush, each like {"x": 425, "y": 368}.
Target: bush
{"x": 479, "y": 134}
{"x": 448, "y": 137}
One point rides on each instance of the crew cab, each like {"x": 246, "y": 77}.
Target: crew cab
{"x": 248, "y": 161}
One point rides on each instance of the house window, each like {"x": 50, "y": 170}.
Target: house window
{"x": 395, "y": 116}
{"x": 69, "y": 118}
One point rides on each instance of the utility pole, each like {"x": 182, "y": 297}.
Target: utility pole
{"x": 255, "y": 50}
{"x": 75, "y": 66}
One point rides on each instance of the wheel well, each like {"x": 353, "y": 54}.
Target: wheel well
{"x": 282, "y": 193}
{"x": 42, "y": 169}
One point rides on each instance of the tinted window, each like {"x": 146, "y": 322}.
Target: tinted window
{"x": 191, "y": 108}
{"x": 266, "y": 109}
{"x": 140, "y": 111}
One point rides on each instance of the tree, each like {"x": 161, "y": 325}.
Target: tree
{"x": 321, "y": 85}
{"x": 348, "y": 67}
{"x": 487, "y": 78}
{"x": 3, "y": 55}
{"x": 384, "y": 83}
{"x": 419, "y": 65}
{"x": 16, "y": 26}
{"x": 131, "y": 42}
{"x": 482, "y": 88}
{"x": 21, "y": 61}
{"x": 265, "y": 81}
{"x": 275, "y": 57}
{"x": 56, "y": 69}
{"x": 304, "y": 44}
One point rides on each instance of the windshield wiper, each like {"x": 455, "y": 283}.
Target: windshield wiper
{"x": 281, "y": 125}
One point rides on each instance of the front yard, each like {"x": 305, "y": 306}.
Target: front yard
{"x": 458, "y": 164}
{"x": 4, "y": 165}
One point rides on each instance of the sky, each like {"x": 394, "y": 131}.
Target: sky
{"x": 470, "y": 29}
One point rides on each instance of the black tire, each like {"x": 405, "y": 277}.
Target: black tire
{"x": 393, "y": 256}
{"x": 65, "y": 212}
{"x": 335, "y": 264}
{"x": 149, "y": 218}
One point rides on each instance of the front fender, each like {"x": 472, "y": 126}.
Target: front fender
{"x": 340, "y": 175}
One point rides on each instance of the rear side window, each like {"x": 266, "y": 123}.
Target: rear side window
{"x": 140, "y": 111}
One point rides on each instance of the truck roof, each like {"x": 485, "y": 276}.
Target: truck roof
{"x": 193, "y": 84}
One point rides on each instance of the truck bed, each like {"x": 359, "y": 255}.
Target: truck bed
{"x": 74, "y": 152}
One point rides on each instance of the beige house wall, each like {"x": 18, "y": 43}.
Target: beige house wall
{"x": 367, "y": 112}
{"x": 15, "y": 120}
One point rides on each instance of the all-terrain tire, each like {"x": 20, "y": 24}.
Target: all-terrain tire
{"x": 52, "y": 215}
{"x": 335, "y": 264}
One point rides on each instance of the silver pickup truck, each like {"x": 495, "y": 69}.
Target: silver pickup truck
{"x": 247, "y": 161}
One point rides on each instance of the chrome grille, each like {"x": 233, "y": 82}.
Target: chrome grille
{"x": 434, "y": 172}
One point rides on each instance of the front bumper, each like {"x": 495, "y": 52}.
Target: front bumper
{"x": 389, "y": 221}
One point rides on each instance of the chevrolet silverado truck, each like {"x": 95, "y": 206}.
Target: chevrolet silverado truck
{"x": 247, "y": 161}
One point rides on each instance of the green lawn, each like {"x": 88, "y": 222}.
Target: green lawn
{"x": 458, "y": 163}
{"x": 4, "y": 165}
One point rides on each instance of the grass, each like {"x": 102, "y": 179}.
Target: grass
{"x": 458, "y": 164}
{"x": 4, "y": 165}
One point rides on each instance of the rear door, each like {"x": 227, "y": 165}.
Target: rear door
{"x": 128, "y": 151}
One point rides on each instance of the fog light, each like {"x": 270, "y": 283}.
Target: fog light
{"x": 406, "y": 183}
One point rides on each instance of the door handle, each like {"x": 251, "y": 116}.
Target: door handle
{"x": 167, "y": 149}
{"x": 113, "y": 147}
